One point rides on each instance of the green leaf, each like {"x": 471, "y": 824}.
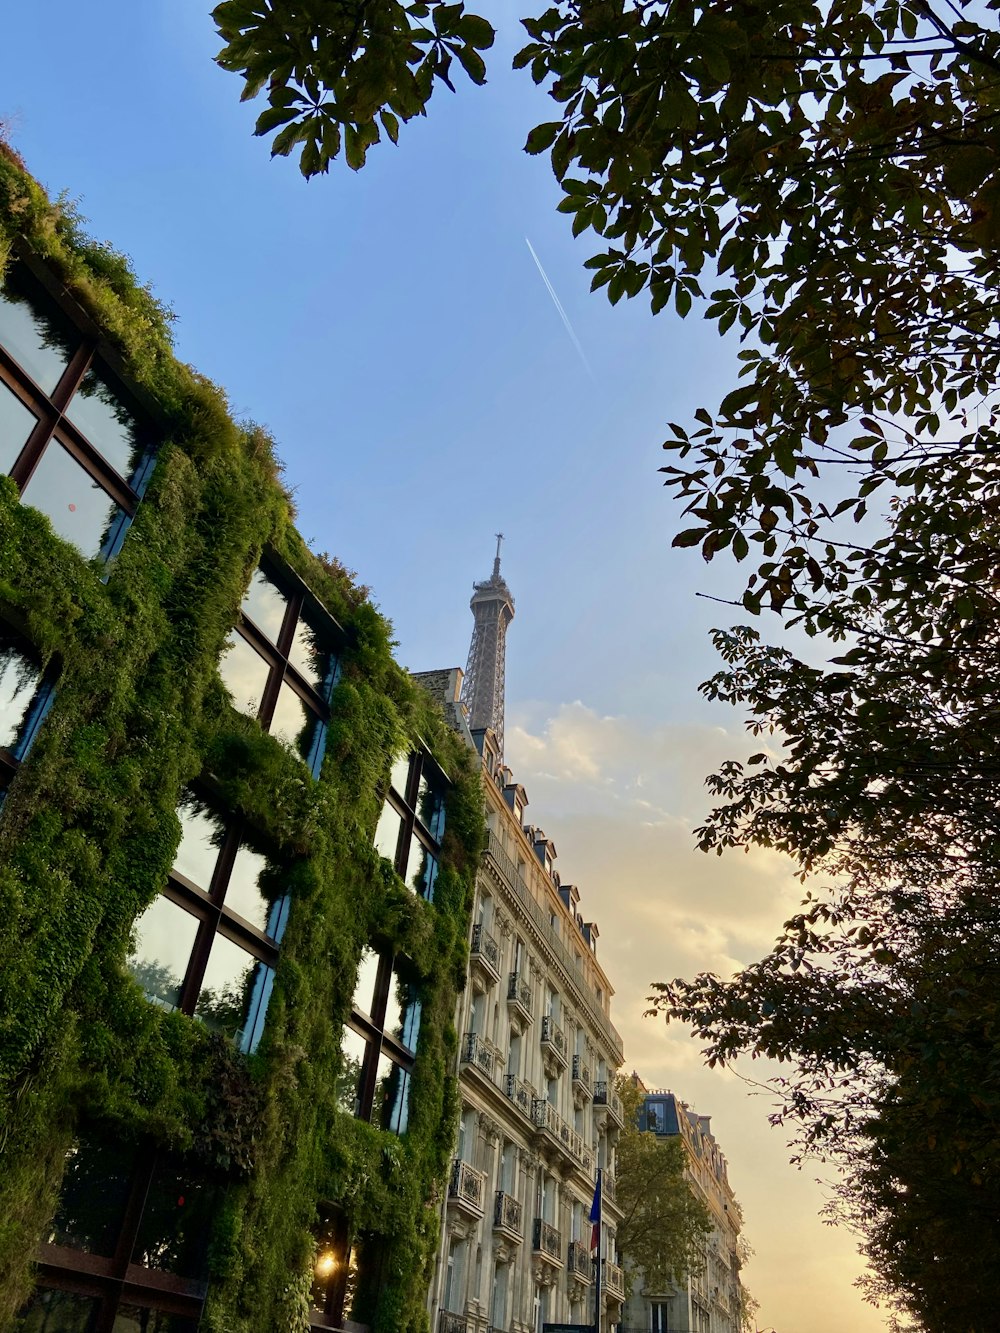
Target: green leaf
{"x": 542, "y": 136}
{"x": 476, "y": 31}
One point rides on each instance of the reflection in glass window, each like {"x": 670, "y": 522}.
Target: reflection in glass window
{"x": 59, "y": 1312}
{"x": 244, "y": 673}
{"x": 293, "y": 721}
{"x": 391, "y": 1107}
{"x": 80, "y": 511}
{"x": 95, "y": 1190}
{"x": 163, "y": 938}
{"x": 138, "y": 1319}
{"x": 353, "y": 1048}
{"x": 244, "y": 892}
{"x": 364, "y": 990}
{"x": 310, "y": 654}
{"x": 176, "y": 1222}
{"x": 202, "y": 834}
{"x": 265, "y": 605}
{"x": 19, "y": 679}
{"x": 226, "y": 992}
{"x": 97, "y": 411}
{"x": 387, "y": 834}
{"x": 16, "y": 424}
{"x": 38, "y": 339}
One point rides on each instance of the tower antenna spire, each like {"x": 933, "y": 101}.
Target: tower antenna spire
{"x": 492, "y": 609}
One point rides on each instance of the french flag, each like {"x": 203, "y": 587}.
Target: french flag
{"x": 595, "y": 1215}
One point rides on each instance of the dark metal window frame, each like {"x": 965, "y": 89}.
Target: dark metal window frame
{"x": 38, "y": 707}
{"x": 371, "y": 1028}
{"x": 300, "y": 602}
{"x": 208, "y": 905}
{"x": 114, "y": 1279}
{"x": 52, "y": 426}
{"x": 405, "y": 804}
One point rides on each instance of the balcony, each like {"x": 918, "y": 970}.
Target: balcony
{"x": 609, "y": 1189}
{"x": 480, "y": 1055}
{"x": 613, "y": 1281}
{"x": 553, "y": 1043}
{"x": 452, "y": 1323}
{"x": 507, "y": 1215}
{"x": 547, "y": 1243}
{"x": 467, "y": 1188}
{"x": 484, "y": 955}
{"x": 550, "y": 1126}
{"x": 579, "y": 1262}
{"x": 581, "y": 1081}
{"x": 584, "y": 1156}
{"x": 607, "y": 1102}
{"x": 519, "y": 998}
{"x": 521, "y": 1094}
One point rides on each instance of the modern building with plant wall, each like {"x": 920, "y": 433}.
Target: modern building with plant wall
{"x": 227, "y": 1044}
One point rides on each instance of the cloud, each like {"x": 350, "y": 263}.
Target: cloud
{"x": 621, "y": 799}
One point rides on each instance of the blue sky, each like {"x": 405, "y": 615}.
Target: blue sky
{"x": 390, "y": 328}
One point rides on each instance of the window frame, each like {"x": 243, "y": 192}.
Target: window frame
{"x": 301, "y": 606}
{"x": 378, "y": 1042}
{"x": 53, "y": 427}
{"x": 35, "y": 713}
{"x": 406, "y": 803}
{"x": 207, "y": 905}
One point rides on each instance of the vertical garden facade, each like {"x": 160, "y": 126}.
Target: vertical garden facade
{"x": 237, "y": 854}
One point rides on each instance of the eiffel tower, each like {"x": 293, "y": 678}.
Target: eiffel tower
{"x": 482, "y": 690}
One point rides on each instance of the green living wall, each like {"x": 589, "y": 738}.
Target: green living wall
{"x": 89, "y": 830}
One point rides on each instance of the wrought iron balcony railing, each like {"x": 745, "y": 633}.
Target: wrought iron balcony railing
{"x": 613, "y": 1280}
{"x": 521, "y": 1094}
{"x": 452, "y": 1323}
{"x": 546, "y": 1241}
{"x": 467, "y": 1186}
{"x": 484, "y": 946}
{"x": 519, "y": 994}
{"x": 507, "y": 1213}
{"x": 579, "y": 1261}
{"x": 476, "y": 1050}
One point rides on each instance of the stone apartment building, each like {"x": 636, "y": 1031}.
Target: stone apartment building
{"x": 711, "y": 1300}
{"x": 538, "y": 1057}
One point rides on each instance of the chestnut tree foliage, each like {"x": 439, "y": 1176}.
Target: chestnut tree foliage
{"x": 824, "y": 180}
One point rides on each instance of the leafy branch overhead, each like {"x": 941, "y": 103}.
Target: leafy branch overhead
{"x": 338, "y": 75}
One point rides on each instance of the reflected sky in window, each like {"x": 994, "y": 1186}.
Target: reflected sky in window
{"x": 224, "y": 1002}
{"x": 352, "y": 1058}
{"x": 244, "y": 893}
{"x": 387, "y": 833}
{"x": 16, "y": 424}
{"x": 38, "y": 342}
{"x": 202, "y": 834}
{"x": 163, "y": 938}
{"x": 265, "y": 605}
{"x": 78, "y": 509}
{"x": 19, "y": 678}
{"x": 109, "y": 426}
{"x": 244, "y": 674}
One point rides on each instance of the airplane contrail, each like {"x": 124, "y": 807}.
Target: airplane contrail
{"x": 559, "y": 306}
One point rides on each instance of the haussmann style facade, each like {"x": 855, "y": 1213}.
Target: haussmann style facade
{"x": 538, "y": 1058}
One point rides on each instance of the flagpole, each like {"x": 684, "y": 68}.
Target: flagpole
{"x": 600, "y": 1240}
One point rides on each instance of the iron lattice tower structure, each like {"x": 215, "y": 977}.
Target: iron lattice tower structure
{"x": 492, "y": 608}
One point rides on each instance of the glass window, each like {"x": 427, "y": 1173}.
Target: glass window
{"x": 176, "y": 1222}
{"x": 19, "y": 679}
{"x": 353, "y": 1048}
{"x": 387, "y": 834}
{"x": 163, "y": 938}
{"x": 79, "y": 509}
{"x": 139, "y": 1319}
{"x": 245, "y": 893}
{"x": 227, "y": 989}
{"x": 97, "y": 411}
{"x": 97, "y": 1180}
{"x": 364, "y": 990}
{"x": 409, "y": 835}
{"x": 202, "y": 834}
{"x": 51, "y": 1311}
{"x": 391, "y": 1107}
{"x": 16, "y": 424}
{"x": 265, "y": 605}
{"x": 244, "y": 673}
{"x": 311, "y": 656}
{"x": 293, "y": 721}
{"x": 36, "y": 336}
